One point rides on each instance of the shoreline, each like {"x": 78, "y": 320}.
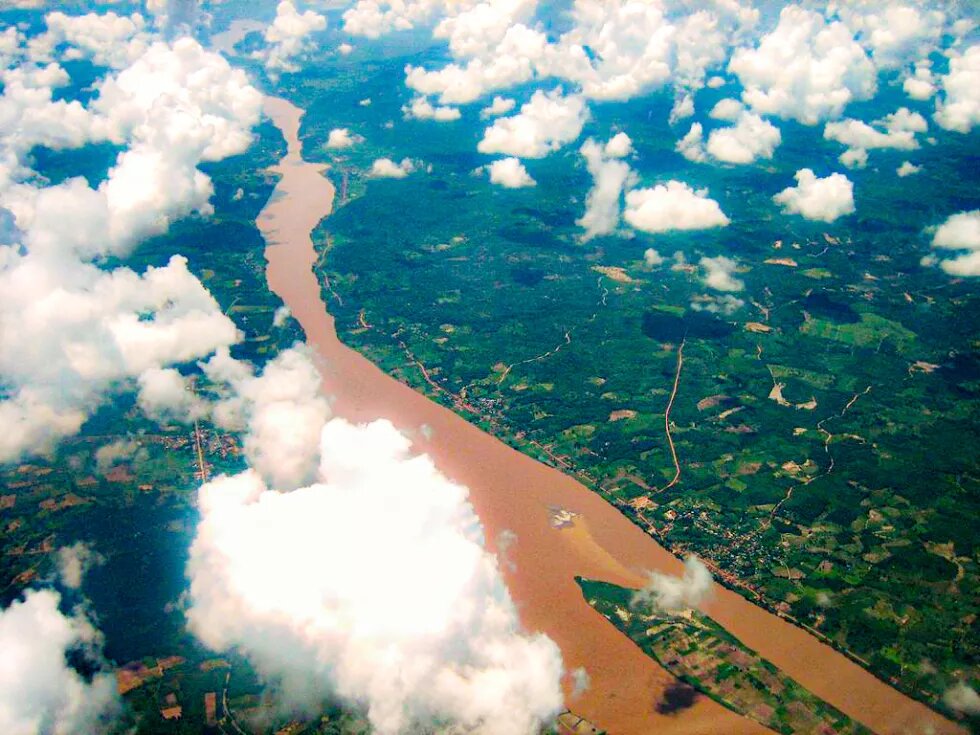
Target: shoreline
{"x": 511, "y": 491}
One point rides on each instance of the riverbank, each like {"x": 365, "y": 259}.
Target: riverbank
{"x": 512, "y": 492}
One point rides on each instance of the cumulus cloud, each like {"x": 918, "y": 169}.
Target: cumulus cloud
{"x": 749, "y": 139}
{"x": 39, "y": 690}
{"x": 69, "y": 337}
{"x": 618, "y": 146}
{"x": 499, "y": 106}
{"x": 511, "y": 64}
{"x": 896, "y": 130}
{"x": 921, "y": 84}
{"x": 719, "y": 273}
{"x": 907, "y": 169}
{"x": 288, "y": 38}
{"x": 107, "y": 39}
{"x": 340, "y": 138}
{"x": 546, "y": 122}
{"x": 165, "y": 395}
{"x": 807, "y": 68}
{"x": 960, "y": 232}
{"x": 691, "y": 146}
{"x": 281, "y": 409}
{"x": 651, "y": 258}
{"x": 371, "y": 585}
{"x": 727, "y": 109}
{"x": 672, "y": 206}
{"x": 421, "y": 109}
{"x": 814, "y": 198}
{"x": 374, "y": 18}
{"x": 610, "y": 176}
{"x": 494, "y": 49}
{"x": 510, "y": 173}
{"x": 612, "y": 49}
{"x": 963, "y": 698}
{"x": 79, "y": 332}
{"x": 896, "y": 34}
{"x": 676, "y": 594}
{"x": 385, "y": 168}
{"x": 958, "y": 107}
{"x": 74, "y": 561}
{"x": 616, "y": 50}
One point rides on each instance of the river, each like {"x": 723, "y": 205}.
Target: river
{"x": 510, "y": 491}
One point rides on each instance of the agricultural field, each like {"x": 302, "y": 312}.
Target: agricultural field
{"x": 824, "y": 413}
{"x": 706, "y": 658}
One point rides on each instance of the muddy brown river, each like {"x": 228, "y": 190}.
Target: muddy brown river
{"x": 511, "y": 491}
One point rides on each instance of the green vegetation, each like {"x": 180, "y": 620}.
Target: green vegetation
{"x": 838, "y": 499}
{"x": 702, "y": 654}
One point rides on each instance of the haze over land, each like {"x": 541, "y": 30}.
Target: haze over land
{"x": 714, "y": 264}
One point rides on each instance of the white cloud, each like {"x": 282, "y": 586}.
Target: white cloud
{"x": 282, "y": 409}
{"x": 74, "y": 561}
{"x": 510, "y": 173}
{"x": 288, "y": 37}
{"x": 749, "y": 139}
{"x": 723, "y": 303}
{"x": 960, "y": 232}
{"x": 958, "y": 108}
{"x": 29, "y": 117}
{"x": 512, "y": 61}
{"x": 340, "y": 138}
{"x": 614, "y": 49}
{"x": 682, "y": 108}
{"x": 676, "y": 594}
{"x": 619, "y": 146}
{"x": 371, "y": 585}
{"x": 181, "y": 99}
{"x": 10, "y": 46}
{"x": 385, "y": 168}
{"x": 475, "y": 29}
{"x": 499, "y": 106}
{"x": 165, "y": 395}
{"x": 69, "y": 337}
{"x": 719, "y": 274}
{"x": 672, "y": 206}
{"x": 921, "y": 84}
{"x": 963, "y": 698}
{"x": 895, "y": 34}
{"x": 39, "y": 691}
{"x": 374, "y": 18}
{"x": 807, "y": 68}
{"x": 896, "y": 130}
{"x": 421, "y": 109}
{"x": 691, "y": 146}
{"x": 727, "y": 109}
{"x": 79, "y": 332}
{"x": 610, "y": 176}
{"x": 544, "y": 124}
{"x": 818, "y": 199}
{"x": 107, "y": 39}
{"x": 634, "y": 47}
{"x": 652, "y": 258}
{"x": 907, "y": 169}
